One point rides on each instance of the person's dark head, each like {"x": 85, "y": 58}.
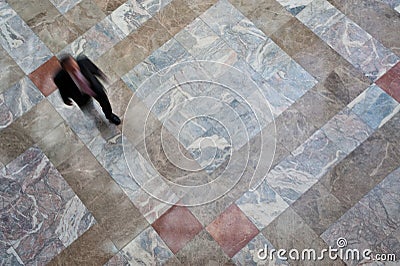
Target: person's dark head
{"x": 68, "y": 63}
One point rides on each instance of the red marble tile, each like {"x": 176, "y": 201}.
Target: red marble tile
{"x": 232, "y": 230}
{"x": 177, "y": 227}
{"x": 390, "y": 82}
{"x": 42, "y": 77}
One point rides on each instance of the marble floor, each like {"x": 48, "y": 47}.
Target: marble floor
{"x": 248, "y": 126}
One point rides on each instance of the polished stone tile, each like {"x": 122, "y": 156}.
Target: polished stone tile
{"x": 221, "y": 17}
{"x": 64, "y": 5}
{"x": 10, "y": 73}
{"x": 347, "y": 130}
{"x": 13, "y": 142}
{"x": 318, "y": 208}
{"x": 42, "y": 77}
{"x": 318, "y": 154}
{"x": 177, "y": 227}
{"x": 346, "y": 38}
{"x": 9, "y": 256}
{"x": 21, "y": 97}
{"x": 390, "y": 129}
{"x": 362, "y": 169}
{"x": 170, "y": 53}
{"x": 154, "y": 6}
{"x": 6, "y": 116}
{"x": 44, "y": 192}
{"x": 200, "y": 6}
{"x": 385, "y": 19}
{"x": 374, "y": 59}
{"x": 147, "y": 248}
{"x": 29, "y": 10}
{"x": 85, "y": 175}
{"x": 290, "y": 179}
{"x": 40, "y": 120}
{"x": 97, "y": 40}
{"x": 117, "y": 260}
{"x": 59, "y": 144}
{"x": 374, "y": 106}
{"x": 391, "y": 184}
{"x": 268, "y": 15}
{"x": 262, "y": 206}
{"x": 7, "y": 11}
{"x": 346, "y": 83}
{"x": 175, "y": 16}
{"x": 390, "y": 82}
{"x": 249, "y": 254}
{"x": 294, "y": 36}
{"x": 23, "y": 45}
{"x": 242, "y": 230}
{"x": 320, "y": 16}
{"x": 108, "y": 6}
{"x": 319, "y": 105}
{"x": 129, "y": 16}
{"x": 293, "y": 128}
{"x": 202, "y": 249}
{"x": 120, "y": 96}
{"x": 293, "y": 6}
{"x": 93, "y": 247}
{"x": 84, "y": 15}
{"x": 113, "y": 203}
{"x": 360, "y": 226}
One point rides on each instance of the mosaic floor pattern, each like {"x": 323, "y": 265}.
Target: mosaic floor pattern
{"x": 248, "y": 126}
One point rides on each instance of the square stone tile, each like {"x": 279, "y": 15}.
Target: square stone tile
{"x": 374, "y": 106}
{"x": 108, "y": 6}
{"x": 154, "y": 251}
{"x": 21, "y": 97}
{"x": 10, "y": 72}
{"x": 13, "y": 142}
{"x": 43, "y": 76}
{"x": 129, "y": 16}
{"x": 390, "y": 82}
{"x": 232, "y": 230}
{"x": 64, "y": 6}
{"x": 84, "y": 15}
{"x": 177, "y": 227}
{"x": 202, "y": 249}
{"x": 113, "y": 203}
{"x": 154, "y": 6}
{"x": 6, "y": 116}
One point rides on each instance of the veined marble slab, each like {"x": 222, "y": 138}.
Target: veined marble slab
{"x": 129, "y": 16}
{"x": 21, "y": 97}
{"x": 23, "y": 45}
{"x": 6, "y": 116}
{"x": 294, "y": 6}
{"x": 374, "y": 106}
{"x": 64, "y": 5}
{"x": 153, "y": 6}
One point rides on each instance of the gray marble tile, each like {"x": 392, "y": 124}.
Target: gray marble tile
{"x": 139, "y": 74}
{"x": 129, "y": 16}
{"x": 318, "y": 208}
{"x": 347, "y": 130}
{"x": 318, "y": 154}
{"x": 249, "y": 254}
{"x": 346, "y": 38}
{"x": 170, "y": 53}
{"x": 263, "y": 205}
{"x": 391, "y": 184}
{"x": 9, "y": 256}
{"x": 147, "y": 248}
{"x": 374, "y": 106}
{"x": 117, "y": 260}
{"x": 222, "y": 16}
{"x": 97, "y": 40}
{"x": 374, "y": 59}
{"x": 290, "y": 179}
{"x": 21, "y": 97}
{"x": 154, "y": 6}
{"x": 10, "y": 72}
{"x": 23, "y": 45}
{"x": 320, "y": 16}
{"x": 360, "y": 226}
{"x": 6, "y": 116}
{"x": 64, "y": 5}
{"x": 6, "y": 12}
{"x": 294, "y": 6}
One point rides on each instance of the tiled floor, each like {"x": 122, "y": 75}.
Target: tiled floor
{"x": 246, "y": 124}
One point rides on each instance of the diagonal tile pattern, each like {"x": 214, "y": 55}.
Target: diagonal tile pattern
{"x": 76, "y": 190}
